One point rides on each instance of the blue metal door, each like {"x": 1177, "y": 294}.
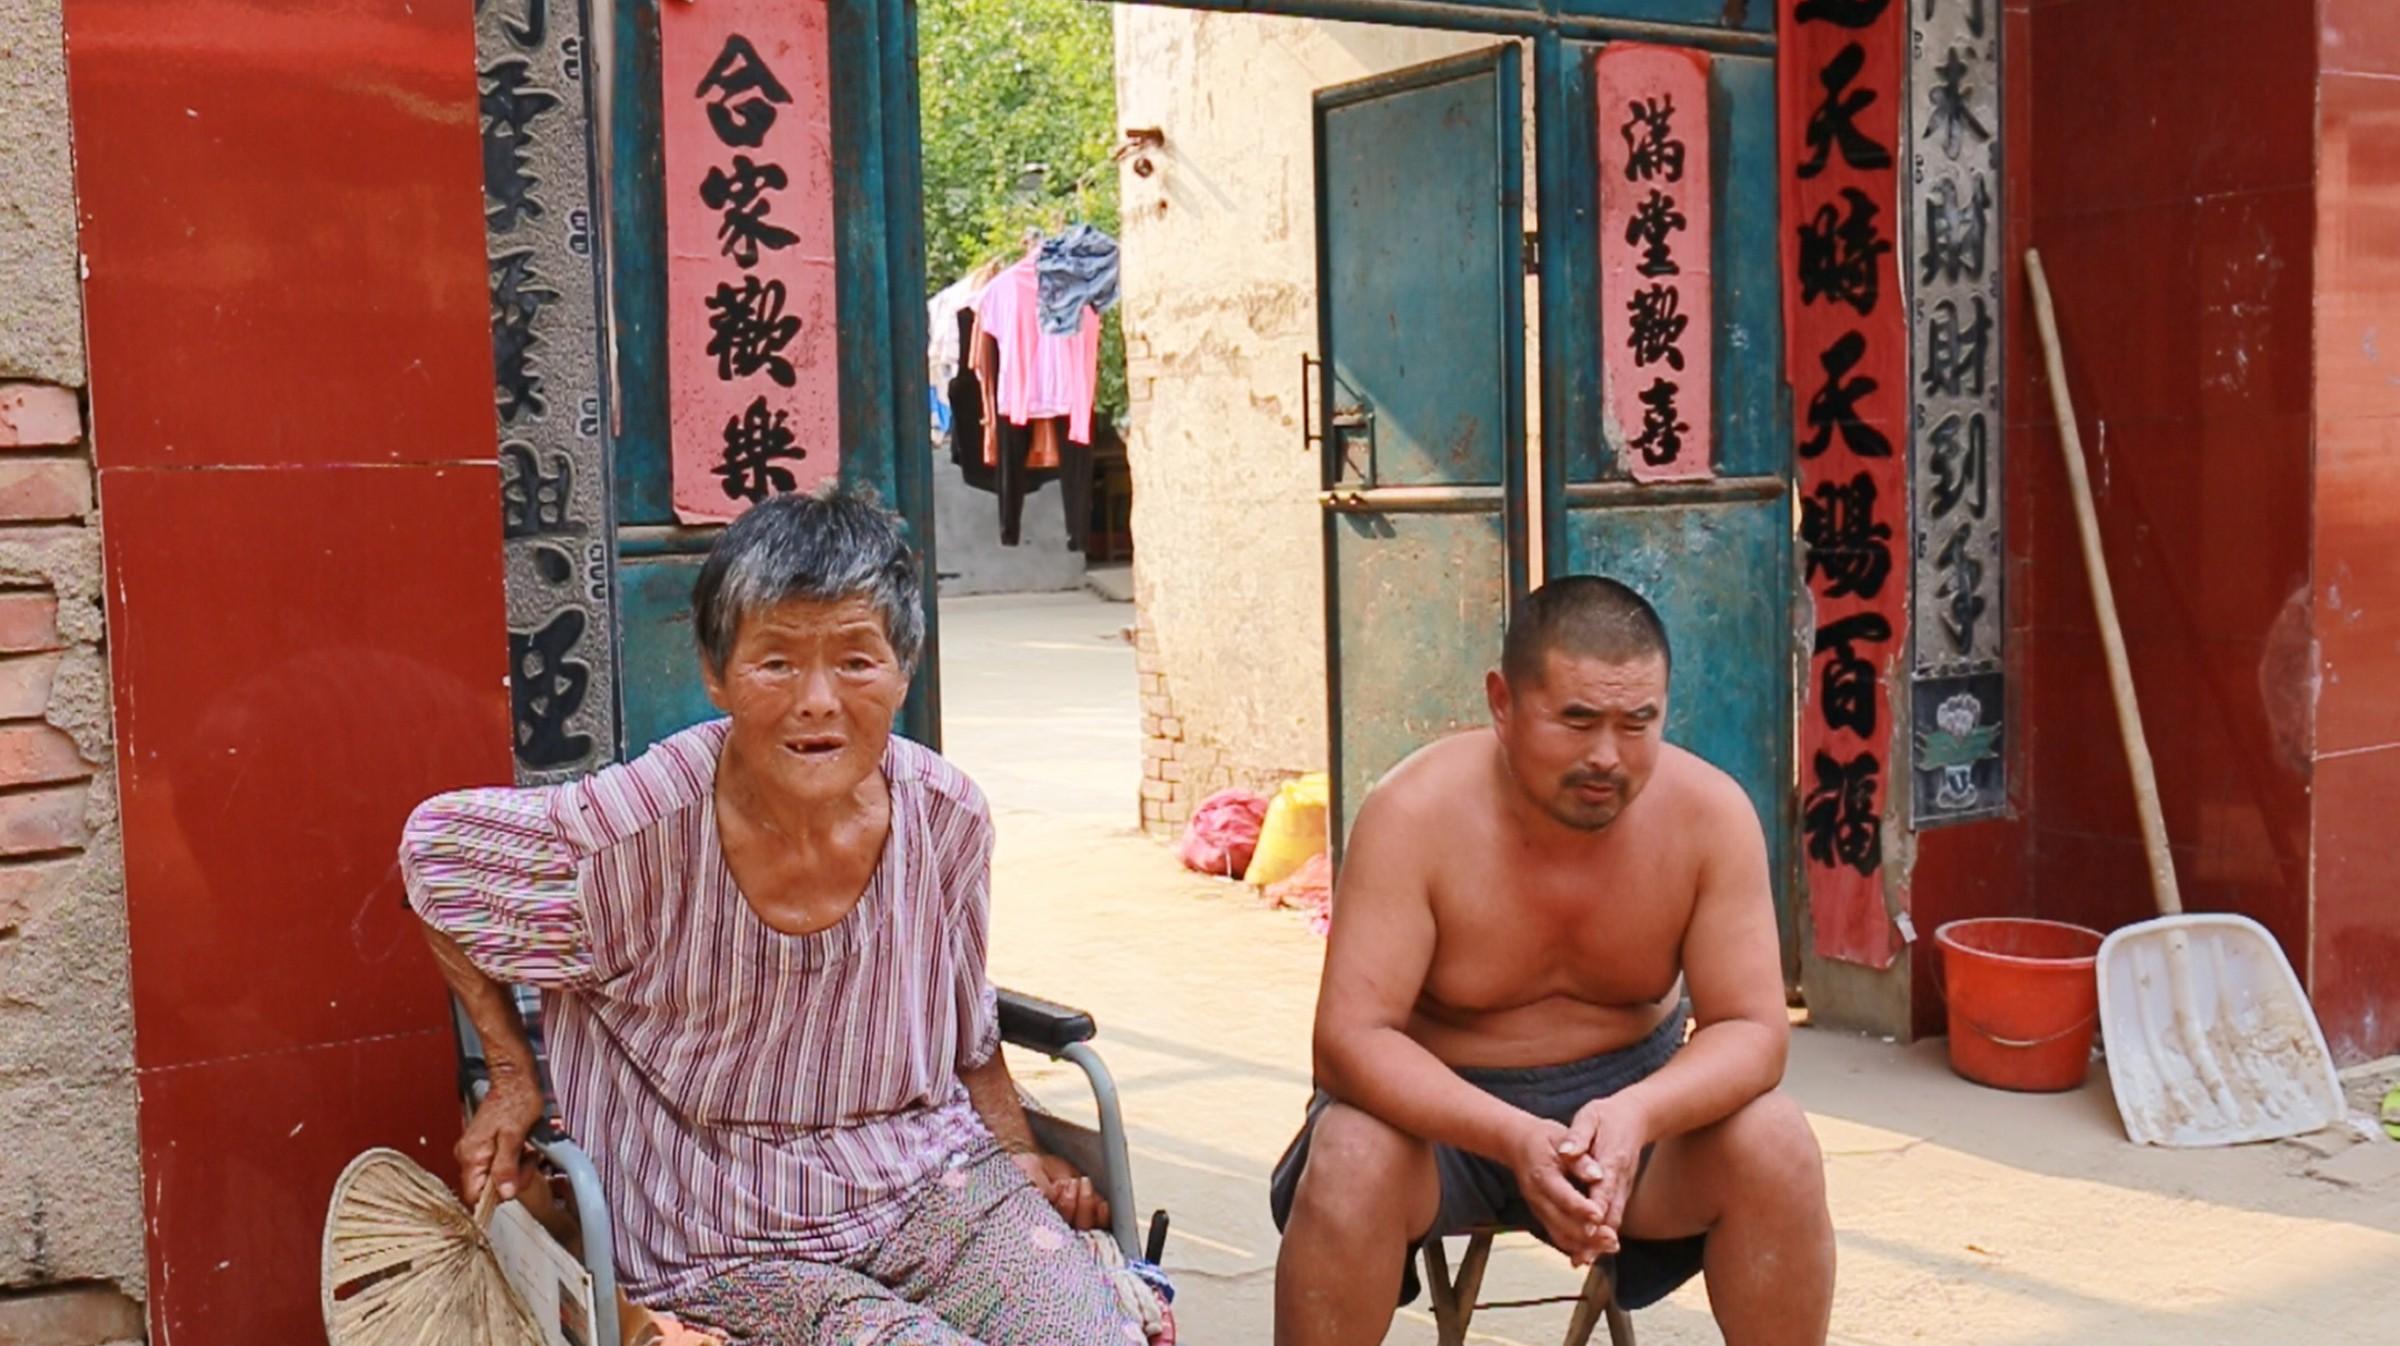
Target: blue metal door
{"x": 1420, "y": 294}
{"x": 1715, "y": 555}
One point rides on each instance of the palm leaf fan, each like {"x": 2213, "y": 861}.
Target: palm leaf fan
{"x": 406, "y": 1265}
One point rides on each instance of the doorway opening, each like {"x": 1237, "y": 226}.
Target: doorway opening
{"x": 1189, "y": 139}
{"x": 1090, "y": 723}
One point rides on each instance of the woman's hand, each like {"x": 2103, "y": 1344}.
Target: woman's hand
{"x": 495, "y": 1137}
{"x": 1069, "y": 1192}
{"x": 493, "y": 1149}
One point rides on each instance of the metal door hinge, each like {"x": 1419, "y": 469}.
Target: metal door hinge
{"x": 1533, "y": 253}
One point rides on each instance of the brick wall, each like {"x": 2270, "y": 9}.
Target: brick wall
{"x": 69, "y": 1315}
{"x": 1167, "y": 800}
{"x": 45, "y": 506}
{"x": 1183, "y": 759}
{"x": 72, "y": 1269}
{"x": 70, "y": 1188}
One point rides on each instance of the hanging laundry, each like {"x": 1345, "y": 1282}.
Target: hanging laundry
{"x": 1075, "y": 485}
{"x": 1021, "y": 473}
{"x": 968, "y": 428}
{"x": 1040, "y": 375}
{"x": 995, "y": 456}
{"x": 1076, "y": 270}
{"x": 941, "y": 341}
{"x": 982, "y": 355}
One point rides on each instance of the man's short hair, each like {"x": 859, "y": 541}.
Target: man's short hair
{"x": 1584, "y": 615}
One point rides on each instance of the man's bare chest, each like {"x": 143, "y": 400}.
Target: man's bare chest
{"x": 1605, "y": 936}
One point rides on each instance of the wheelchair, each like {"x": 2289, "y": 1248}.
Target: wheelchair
{"x": 1055, "y": 1031}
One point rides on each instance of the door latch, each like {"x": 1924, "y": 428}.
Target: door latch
{"x": 1309, "y": 438}
{"x": 1347, "y": 423}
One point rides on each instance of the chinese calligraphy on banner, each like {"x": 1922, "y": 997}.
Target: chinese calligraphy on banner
{"x": 1656, "y": 307}
{"x": 1846, "y": 329}
{"x": 751, "y": 336}
{"x": 542, "y": 249}
{"x": 1958, "y": 695}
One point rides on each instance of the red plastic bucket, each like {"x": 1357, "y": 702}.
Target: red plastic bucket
{"x": 2023, "y": 1002}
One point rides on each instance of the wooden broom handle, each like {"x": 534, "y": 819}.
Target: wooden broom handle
{"x": 2104, "y": 604}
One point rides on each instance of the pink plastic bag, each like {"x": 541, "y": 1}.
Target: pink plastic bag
{"x": 1223, "y": 834}
{"x": 1310, "y": 890}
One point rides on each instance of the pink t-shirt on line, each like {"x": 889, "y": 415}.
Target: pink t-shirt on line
{"x": 1040, "y": 375}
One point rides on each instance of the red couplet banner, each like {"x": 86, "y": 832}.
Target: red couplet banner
{"x": 1846, "y": 339}
{"x": 753, "y": 383}
{"x": 1656, "y": 306}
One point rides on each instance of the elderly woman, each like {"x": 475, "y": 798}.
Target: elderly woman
{"x": 761, "y": 954}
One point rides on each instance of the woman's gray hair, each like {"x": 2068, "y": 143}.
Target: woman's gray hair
{"x": 823, "y": 548}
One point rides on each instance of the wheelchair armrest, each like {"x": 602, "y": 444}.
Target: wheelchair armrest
{"x": 599, "y": 1229}
{"x": 1027, "y": 1021}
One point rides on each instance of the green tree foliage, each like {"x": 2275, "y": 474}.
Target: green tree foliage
{"x": 1004, "y": 85}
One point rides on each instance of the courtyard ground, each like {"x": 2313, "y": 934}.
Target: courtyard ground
{"x": 1966, "y": 1215}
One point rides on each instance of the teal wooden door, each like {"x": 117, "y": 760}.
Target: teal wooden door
{"x": 880, "y": 310}
{"x": 1714, "y": 555}
{"x": 1420, "y": 296}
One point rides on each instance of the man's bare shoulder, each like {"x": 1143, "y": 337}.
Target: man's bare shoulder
{"x": 1704, "y": 796}
{"x": 1435, "y": 781}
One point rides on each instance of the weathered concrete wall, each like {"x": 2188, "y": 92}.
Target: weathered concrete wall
{"x": 41, "y": 324}
{"x": 70, "y": 1172}
{"x": 1220, "y": 304}
{"x": 966, "y": 524}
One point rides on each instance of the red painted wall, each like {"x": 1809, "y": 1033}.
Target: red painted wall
{"x": 2354, "y": 955}
{"x": 2219, "y": 285}
{"x": 292, "y": 405}
{"x": 2173, "y": 155}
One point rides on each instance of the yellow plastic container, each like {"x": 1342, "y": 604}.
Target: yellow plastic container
{"x": 1294, "y": 830}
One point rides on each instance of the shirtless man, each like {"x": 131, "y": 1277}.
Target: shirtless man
{"x": 1500, "y": 1035}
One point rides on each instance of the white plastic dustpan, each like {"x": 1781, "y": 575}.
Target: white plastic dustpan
{"x": 2210, "y": 1041}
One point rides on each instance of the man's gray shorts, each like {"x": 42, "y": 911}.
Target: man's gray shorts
{"x": 1479, "y": 1191}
